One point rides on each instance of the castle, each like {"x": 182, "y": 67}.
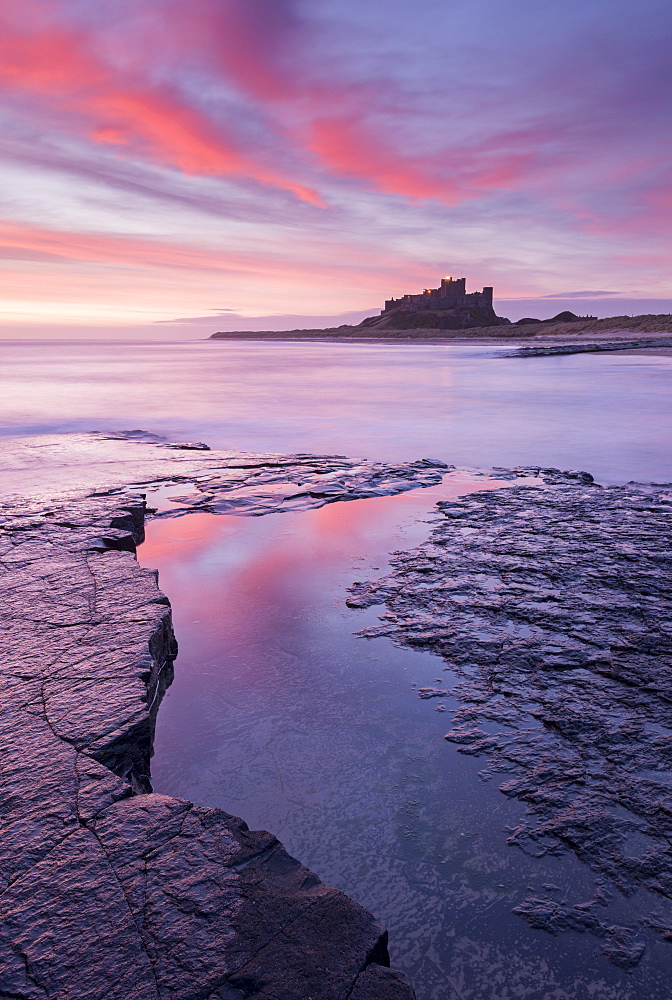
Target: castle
{"x": 451, "y": 294}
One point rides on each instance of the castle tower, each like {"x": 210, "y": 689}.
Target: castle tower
{"x": 451, "y": 294}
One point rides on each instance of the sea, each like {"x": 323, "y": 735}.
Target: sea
{"x": 280, "y": 712}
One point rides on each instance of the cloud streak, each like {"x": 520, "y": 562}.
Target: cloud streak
{"x": 517, "y": 140}
{"x": 57, "y": 66}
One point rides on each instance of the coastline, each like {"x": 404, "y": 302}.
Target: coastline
{"x": 108, "y": 888}
{"x": 623, "y": 342}
{"x": 111, "y": 889}
{"x": 169, "y": 877}
{"x": 605, "y": 333}
{"x": 530, "y": 347}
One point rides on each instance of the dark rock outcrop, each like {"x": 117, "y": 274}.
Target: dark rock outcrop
{"x": 459, "y": 318}
{"x": 552, "y": 608}
{"x": 107, "y": 890}
{"x": 547, "y": 350}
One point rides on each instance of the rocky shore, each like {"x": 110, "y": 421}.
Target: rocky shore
{"x": 548, "y": 601}
{"x": 551, "y": 607}
{"x": 109, "y": 890}
{"x": 548, "y": 350}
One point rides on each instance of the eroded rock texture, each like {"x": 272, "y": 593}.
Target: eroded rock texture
{"x": 106, "y": 889}
{"x": 552, "y": 607}
{"x": 193, "y": 477}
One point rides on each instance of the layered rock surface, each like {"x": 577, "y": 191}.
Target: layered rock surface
{"x": 123, "y": 464}
{"x": 547, "y": 350}
{"x": 551, "y": 605}
{"x": 106, "y": 889}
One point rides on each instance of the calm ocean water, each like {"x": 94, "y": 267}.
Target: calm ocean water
{"x": 279, "y": 713}
{"x": 609, "y": 414}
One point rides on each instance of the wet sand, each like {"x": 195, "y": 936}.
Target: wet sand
{"x": 664, "y": 352}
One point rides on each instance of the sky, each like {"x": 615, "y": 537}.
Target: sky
{"x": 169, "y": 168}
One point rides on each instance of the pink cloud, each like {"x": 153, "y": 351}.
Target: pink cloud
{"x": 127, "y": 250}
{"x": 450, "y": 176}
{"x": 250, "y": 43}
{"x": 252, "y": 40}
{"x": 646, "y": 210}
{"x": 178, "y": 136}
{"x": 55, "y": 65}
{"x": 312, "y": 262}
{"x": 238, "y": 88}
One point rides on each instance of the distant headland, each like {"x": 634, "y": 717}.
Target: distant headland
{"x": 450, "y": 313}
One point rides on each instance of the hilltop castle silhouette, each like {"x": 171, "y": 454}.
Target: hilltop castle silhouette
{"x": 451, "y": 294}
{"x": 448, "y": 307}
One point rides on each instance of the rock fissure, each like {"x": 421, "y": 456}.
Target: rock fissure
{"x": 233, "y": 973}
{"x": 45, "y": 716}
{"x": 152, "y": 962}
{"x": 24, "y": 874}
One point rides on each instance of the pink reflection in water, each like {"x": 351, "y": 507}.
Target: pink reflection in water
{"x": 251, "y": 580}
{"x": 280, "y": 714}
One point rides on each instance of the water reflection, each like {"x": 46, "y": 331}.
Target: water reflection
{"x": 280, "y": 714}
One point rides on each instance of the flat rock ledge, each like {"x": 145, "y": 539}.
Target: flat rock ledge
{"x": 552, "y": 608}
{"x": 107, "y": 890}
{"x": 548, "y": 350}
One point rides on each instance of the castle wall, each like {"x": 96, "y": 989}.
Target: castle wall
{"x": 451, "y": 294}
